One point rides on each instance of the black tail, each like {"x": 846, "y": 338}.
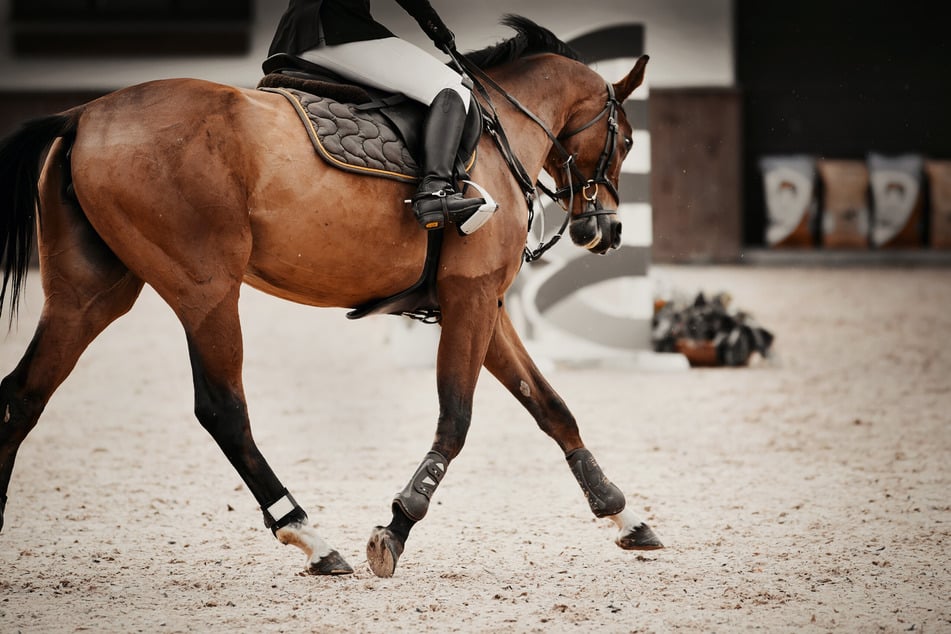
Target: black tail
{"x": 20, "y": 155}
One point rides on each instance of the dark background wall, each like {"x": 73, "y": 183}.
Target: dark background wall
{"x": 696, "y": 181}
{"x": 839, "y": 79}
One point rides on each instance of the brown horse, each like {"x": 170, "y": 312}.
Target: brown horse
{"x": 195, "y": 188}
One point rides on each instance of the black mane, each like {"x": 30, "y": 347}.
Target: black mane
{"x": 530, "y": 39}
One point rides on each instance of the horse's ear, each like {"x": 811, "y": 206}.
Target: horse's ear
{"x": 635, "y": 78}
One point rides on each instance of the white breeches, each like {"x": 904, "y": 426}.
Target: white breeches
{"x": 390, "y": 64}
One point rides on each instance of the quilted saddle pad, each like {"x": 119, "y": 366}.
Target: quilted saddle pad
{"x": 353, "y": 138}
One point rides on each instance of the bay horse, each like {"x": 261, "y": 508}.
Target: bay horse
{"x": 195, "y": 188}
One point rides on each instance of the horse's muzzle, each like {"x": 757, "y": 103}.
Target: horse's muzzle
{"x": 597, "y": 233}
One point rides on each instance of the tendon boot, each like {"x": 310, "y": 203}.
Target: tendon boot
{"x": 436, "y": 200}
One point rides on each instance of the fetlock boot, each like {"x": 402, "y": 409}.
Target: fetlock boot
{"x": 436, "y": 200}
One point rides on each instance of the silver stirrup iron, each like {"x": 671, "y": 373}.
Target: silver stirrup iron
{"x": 482, "y": 214}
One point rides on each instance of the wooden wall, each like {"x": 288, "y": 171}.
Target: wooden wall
{"x": 696, "y": 174}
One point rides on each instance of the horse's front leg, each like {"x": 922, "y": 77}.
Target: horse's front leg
{"x": 510, "y": 363}
{"x": 468, "y": 320}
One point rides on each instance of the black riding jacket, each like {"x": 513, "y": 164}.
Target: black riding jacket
{"x": 345, "y": 21}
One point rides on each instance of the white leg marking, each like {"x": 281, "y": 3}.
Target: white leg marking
{"x": 306, "y": 538}
{"x": 627, "y": 520}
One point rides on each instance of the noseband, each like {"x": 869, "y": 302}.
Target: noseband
{"x": 576, "y": 181}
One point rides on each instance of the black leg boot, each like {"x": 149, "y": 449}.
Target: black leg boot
{"x": 436, "y": 199}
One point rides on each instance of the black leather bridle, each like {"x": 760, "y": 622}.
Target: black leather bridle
{"x": 575, "y": 181}
{"x": 604, "y": 161}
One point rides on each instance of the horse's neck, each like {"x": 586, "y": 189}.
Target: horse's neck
{"x": 549, "y": 90}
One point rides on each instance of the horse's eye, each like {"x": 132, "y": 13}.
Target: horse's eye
{"x": 628, "y": 143}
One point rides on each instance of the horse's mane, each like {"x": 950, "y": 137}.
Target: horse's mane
{"x": 530, "y": 39}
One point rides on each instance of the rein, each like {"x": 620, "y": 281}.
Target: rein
{"x": 576, "y": 181}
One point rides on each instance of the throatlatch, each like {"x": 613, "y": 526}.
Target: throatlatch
{"x": 603, "y": 496}
{"x": 415, "y": 496}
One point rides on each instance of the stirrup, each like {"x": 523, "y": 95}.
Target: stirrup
{"x": 477, "y": 217}
{"x": 434, "y": 209}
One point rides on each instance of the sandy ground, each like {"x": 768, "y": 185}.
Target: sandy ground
{"x": 806, "y": 494}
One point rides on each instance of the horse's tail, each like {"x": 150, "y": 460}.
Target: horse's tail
{"x": 20, "y": 155}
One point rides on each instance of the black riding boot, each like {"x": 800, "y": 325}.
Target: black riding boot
{"x": 436, "y": 200}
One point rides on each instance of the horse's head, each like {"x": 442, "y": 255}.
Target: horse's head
{"x": 596, "y": 137}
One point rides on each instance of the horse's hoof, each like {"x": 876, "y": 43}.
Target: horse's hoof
{"x": 641, "y": 537}
{"x": 383, "y": 551}
{"x": 330, "y": 564}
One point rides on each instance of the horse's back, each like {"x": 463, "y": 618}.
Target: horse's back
{"x": 203, "y": 171}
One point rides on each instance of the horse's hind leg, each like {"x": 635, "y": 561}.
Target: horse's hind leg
{"x": 209, "y": 314}
{"x": 64, "y": 331}
{"x": 86, "y": 288}
{"x": 509, "y": 362}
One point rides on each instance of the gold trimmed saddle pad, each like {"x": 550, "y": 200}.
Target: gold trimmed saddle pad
{"x": 363, "y": 140}
{"x": 353, "y": 138}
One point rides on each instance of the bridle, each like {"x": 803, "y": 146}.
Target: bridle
{"x": 575, "y": 181}
{"x": 604, "y": 161}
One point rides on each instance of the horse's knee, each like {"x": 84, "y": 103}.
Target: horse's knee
{"x": 451, "y": 436}
{"x": 453, "y": 425}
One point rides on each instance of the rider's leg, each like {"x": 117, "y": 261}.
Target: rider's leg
{"x": 422, "y": 77}
{"x": 436, "y": 200}
{"x": 390, "y": 64}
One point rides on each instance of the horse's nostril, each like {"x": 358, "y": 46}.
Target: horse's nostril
{"x": 616, "y": 242}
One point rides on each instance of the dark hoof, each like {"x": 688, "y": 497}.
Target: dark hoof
{"x": 640, "y": 538}
{"x": 331, "y": 564}
{"x": 383, "y": 551}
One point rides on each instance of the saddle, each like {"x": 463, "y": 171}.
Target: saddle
{"x": 357, "y": 128}
{"x": 366, "y": 131}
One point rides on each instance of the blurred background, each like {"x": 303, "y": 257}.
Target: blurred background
{"x": 834, "y": 86}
